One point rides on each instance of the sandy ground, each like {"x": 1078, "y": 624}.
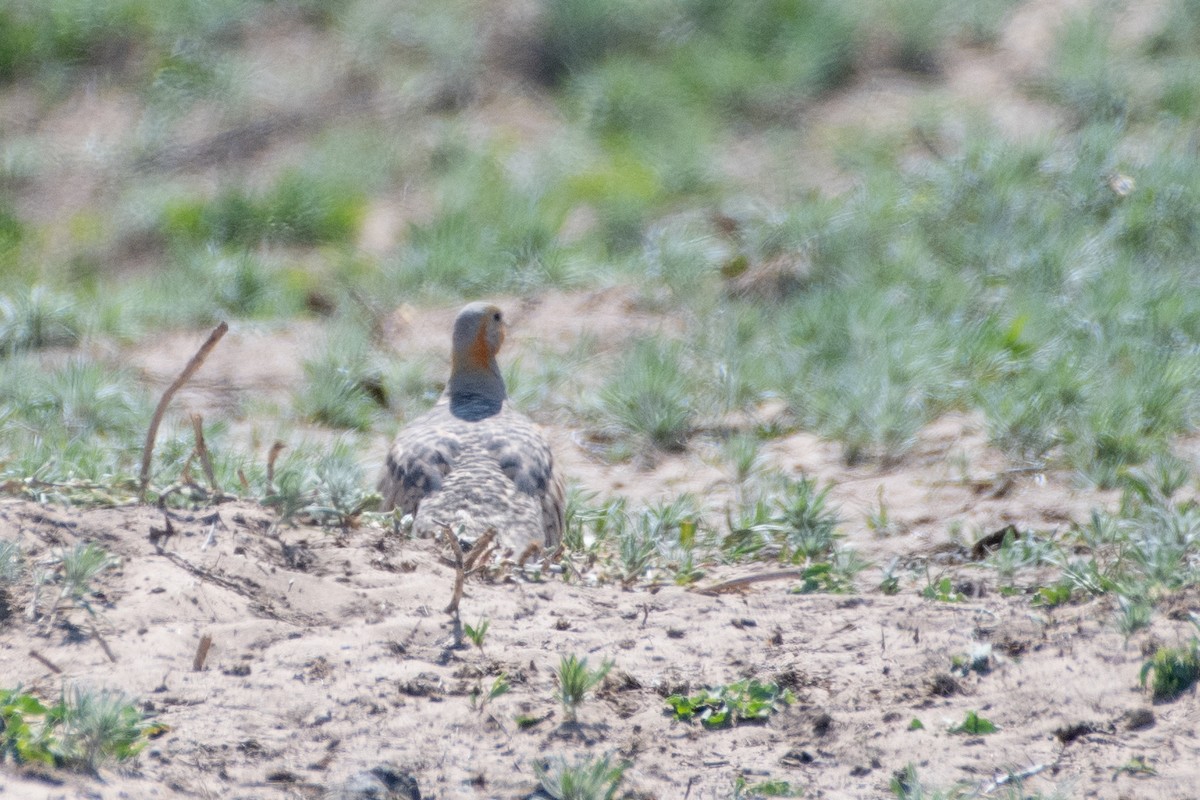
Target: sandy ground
{"x": 332, "y": 655}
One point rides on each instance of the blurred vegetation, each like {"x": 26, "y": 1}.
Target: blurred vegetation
{"x": 1048, "y": 284}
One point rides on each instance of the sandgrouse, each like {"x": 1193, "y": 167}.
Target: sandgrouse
{"x": 472, "y": 462}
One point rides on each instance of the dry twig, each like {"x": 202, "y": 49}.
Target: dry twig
{"x": 201, "y": 652}
{"x": 45, "y": 662}
{"x": 459, "y": 572}
{"x": 156, "y": 420}
{"x": 202, "y": 451}
{"x": 738, "y": 584}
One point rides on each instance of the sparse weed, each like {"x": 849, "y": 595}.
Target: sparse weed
{"x": 585, "y": 779}
{"x": 98, "y": 728}
{"x": 575, "y": 680}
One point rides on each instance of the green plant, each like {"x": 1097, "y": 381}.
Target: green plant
{"x": 585, "y": 779}
{"x": 650, "y": 395}
{"x": 86, "y": 729}
{"x": 974, "y": 725}
{"x": 300, "y": 209}
{"x": 74, "y": 570}
{"x": 575, "y": 680}
{"x": 499, "y": 687}
{"x": 835, "y": 576}
{"x": 746, "y": 700}
{"x": 1134, "y": 614}
{"x": 23, "y": 738}
{"x": 941, "y": 589}
{"x": 1175, "y": 670}
{"x": 98, "y": 727}
{"x": 10, "y": 562}
{"x": 38, "y": 317}
{"x": 477, "y": 632}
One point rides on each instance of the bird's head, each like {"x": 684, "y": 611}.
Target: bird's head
{"x": 478, "y": 334}
{"x": 476, "y": 388}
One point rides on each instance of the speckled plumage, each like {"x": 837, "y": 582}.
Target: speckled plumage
{"x": 472, "y": 460}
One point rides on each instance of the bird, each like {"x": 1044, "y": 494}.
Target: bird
{"x": 473, "y": 463}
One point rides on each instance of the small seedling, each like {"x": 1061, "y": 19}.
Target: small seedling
{"x": 833, "y": 577}
{"x": 879, "y": 521}
{"x": 477, "y": 632}
{"x": 978, "y": 660}
{"x": 889, "y": 581}
{"x": 974, "y": 725}
{"x": 76, "y": 569}
{"x": 916, "y": 725}
{"x": 1175, "y": 670}
{"x": 1052, "y": 596}
{"x": 747, "y": 700}
{"x": 943, "y": 591}
{"x": 584, "y": 780}
{"x": 500, "y": 686}
{"x": 575, "y": 680}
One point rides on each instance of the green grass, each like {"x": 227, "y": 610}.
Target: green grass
{"x": 583, "y": 779}
{"x": 576, "y": 680}
{"x": 651, "y": 395}
{"x": 85, "y": 730}
{"x": 37, "y": 317}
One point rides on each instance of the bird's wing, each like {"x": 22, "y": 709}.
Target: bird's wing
{"x": 421, "y": 457}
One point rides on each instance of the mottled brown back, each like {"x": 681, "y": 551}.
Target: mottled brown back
{"x": 495, "y": 472}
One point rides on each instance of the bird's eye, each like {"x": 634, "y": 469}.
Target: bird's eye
{"x": 496, "y": 316}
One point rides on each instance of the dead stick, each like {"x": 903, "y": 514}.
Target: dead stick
{"x": 45, "y": 662}
{"x": 201, "y": 652}
{"x": 738, "y": 583}
{"x": 202, "y": 449}
{"x": 478, "y": 550}
{"x": 459, "y": 575}
{"x": 103, "y": 644}
{"x": 276, "y": 449}
{"x": 192, "y": 366}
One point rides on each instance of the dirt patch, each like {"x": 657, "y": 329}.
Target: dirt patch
{"x": 332, "y": 656}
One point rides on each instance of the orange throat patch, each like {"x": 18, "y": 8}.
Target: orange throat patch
{"x": 479, "y": 355}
